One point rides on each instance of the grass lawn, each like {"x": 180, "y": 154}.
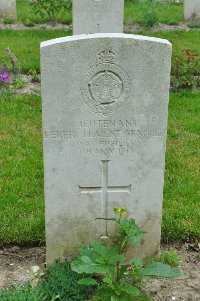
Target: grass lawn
{"x": 25, "y": 43}
{"x": 180, "y": 40}
{"x": 181, "y": 219}
{"x": 21, "y": 173}
{"x": 167, "y": 13}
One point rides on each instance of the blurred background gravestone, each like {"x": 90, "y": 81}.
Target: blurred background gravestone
{"x": 96, "y": 16}
{"x": 7, "y": 9}
{"x": 192, "y": 10}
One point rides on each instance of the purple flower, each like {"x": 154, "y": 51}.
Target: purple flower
{"x": 4, "y": 76}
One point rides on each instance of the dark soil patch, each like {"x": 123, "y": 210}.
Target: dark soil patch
{"x": 20, "y": 26}
{"x": 30, "y": 86}
{"x": 187, "y": 288}
{"x": 127, "y": 27}
{"x": 157, "y": 27}
{"x": 16, "y": 263}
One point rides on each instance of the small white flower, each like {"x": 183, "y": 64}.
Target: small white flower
{"x": 173, "y": 298}
{"x": 35, "y": 269}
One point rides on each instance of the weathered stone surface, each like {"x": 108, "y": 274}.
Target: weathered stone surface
{"x": 105, "y": 103}
{"x": 7, "y": 9}
{"x": 97, "y": 16}
{"x": 192, "y": 10}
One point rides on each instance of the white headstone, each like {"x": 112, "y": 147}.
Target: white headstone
{"x": 105, "y": 103}
{"x": 192, "y": 10}
{"x": 7, "y": 9}
{"x": 97, "y": 16}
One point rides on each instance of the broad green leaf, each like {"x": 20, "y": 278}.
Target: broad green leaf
{"x": 111, "y": 256}
{"x": 89, "y": 252}
{"x": 114, "y": 255}
{"x": 90, "y": 267}
{"x": 115, "y": 298}
{"x": 130, "y": 290}
{"x": 108, "y": 281}
{"x": 87, "y": 281}
{"x": 130, "y": 230}
{"x": 158, "y": 269}
{"x": 86, "y": 259}
{"x": 137, "y": 262}
{"x": 99, "y": 248}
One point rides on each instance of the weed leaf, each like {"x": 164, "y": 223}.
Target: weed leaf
{"x": 85, "y": 265}
{"x": 130, "y": 290}
{"x": 158, "y": 269}
{"x": 87, "y": 281}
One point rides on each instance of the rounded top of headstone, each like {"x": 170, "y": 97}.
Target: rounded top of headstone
{"x": 104, "y": 35}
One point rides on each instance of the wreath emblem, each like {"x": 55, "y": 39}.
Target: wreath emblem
{"x": 106, "y": 86}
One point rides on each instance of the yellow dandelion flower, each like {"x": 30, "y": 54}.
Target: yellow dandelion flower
{"x": 121, "y": 211}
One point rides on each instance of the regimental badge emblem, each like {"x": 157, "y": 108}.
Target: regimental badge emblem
{"x": 106, "y": 86}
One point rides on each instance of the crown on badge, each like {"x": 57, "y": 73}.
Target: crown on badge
{"x": 106, "y": 56}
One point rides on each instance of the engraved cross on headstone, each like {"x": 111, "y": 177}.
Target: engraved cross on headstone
{"x": 105, "y": 189}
